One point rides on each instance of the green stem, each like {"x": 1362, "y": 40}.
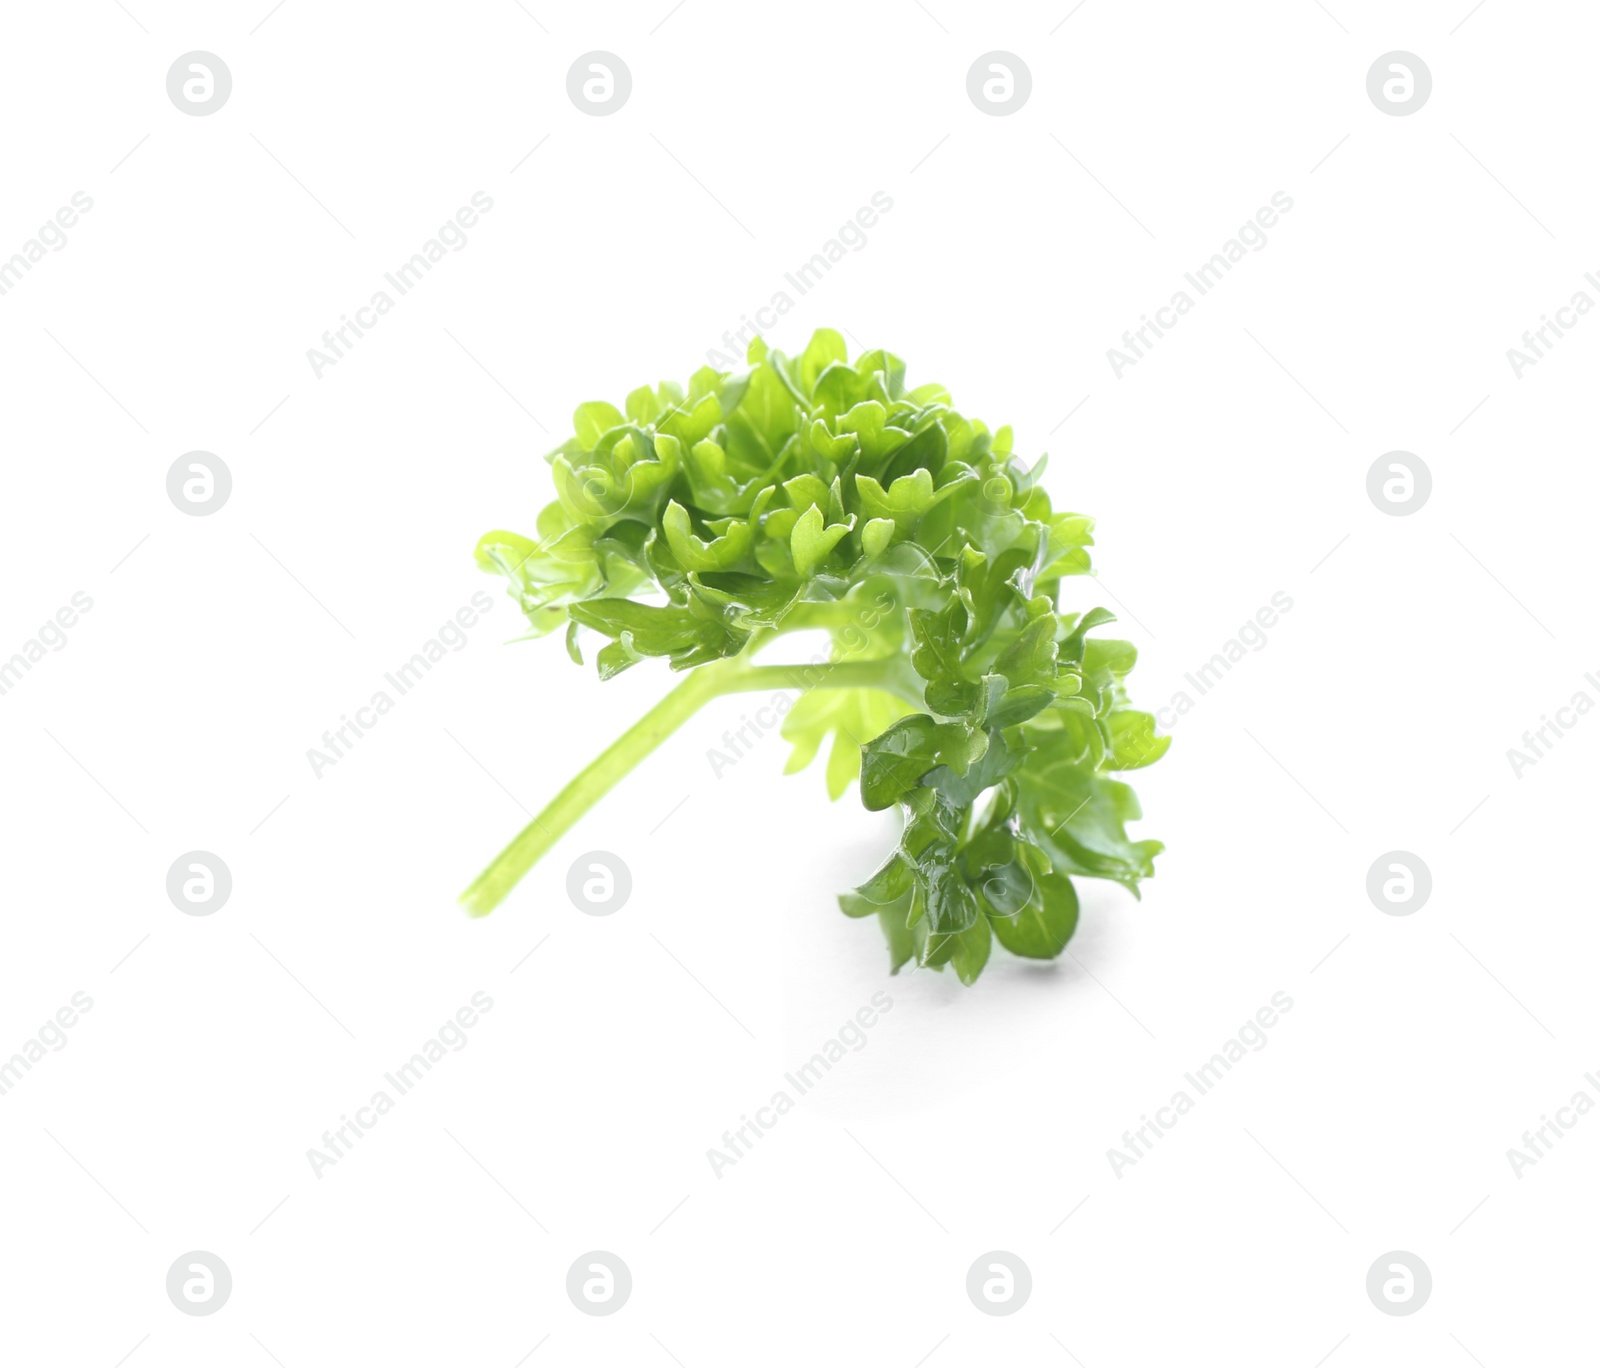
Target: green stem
{"x": 702, "y": 685}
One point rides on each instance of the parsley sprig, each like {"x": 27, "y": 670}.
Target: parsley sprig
{"x": 811, "y": 493}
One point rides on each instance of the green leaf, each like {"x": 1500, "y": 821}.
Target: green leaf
{"x": 1044, "y": 925}
{"x": 806, "y": 491}
{"x": 641, "y": 629}
{"x": 902, "y": 943}
{"x": 866, "y": 420}
{"x": 693, "y": 423}
{"x": 1067, "y": 540}
{"x": 810, "y": 542}
{"x": 1074, "y": 631}
{"x": 987, "y": 588}
{"x": 927, "y": 450}
{"x": 961, "y": 789}
{"x": 592, "y": 421}
{"x": 894, "y": 763}
{"x": 766, "y": 415}
{"x": 721, "y": 553}
{"x": 826, "y": 348}
{"x": 889, "y": 884}
{"x": 1082, "y": 818}
{"x": 876, "y": 536}
{"x": 1134, "y": 743}
{"x": 1030, "y": 657}
{"x": 641, "y": 405}
{"x": 951, "y": 908}
{"x": 891, "y": 367}
{"x": 838, "y": 389}
{"x": 938, "y": 657}
{"x": 1007, "y": 706}
{"x": 745, "y": 601}
{"x": 965, "y": 951}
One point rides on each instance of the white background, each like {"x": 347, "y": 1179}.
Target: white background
{"x": 1226, "y": 466}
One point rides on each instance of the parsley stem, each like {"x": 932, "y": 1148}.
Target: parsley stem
{"x": 703, "y": 684}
